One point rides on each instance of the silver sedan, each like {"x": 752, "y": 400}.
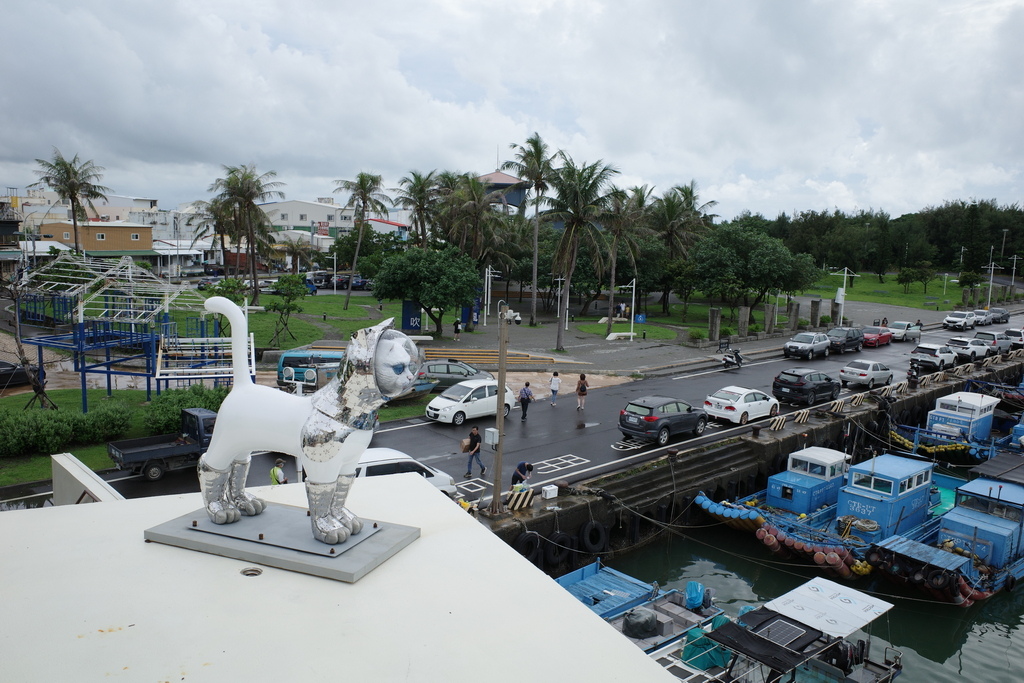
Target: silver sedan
{"x": 865, "y": 372}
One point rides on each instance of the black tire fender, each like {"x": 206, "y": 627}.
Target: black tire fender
{"x": 593, "y": 537}
{"x": 557, "y": 549}
{"x": 527, "y": 544}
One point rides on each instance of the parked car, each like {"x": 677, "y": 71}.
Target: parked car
{"x": 379, "y": 461}
{"x": 865, "y": 372}
{"x": 984, "y": 317}
{"x": 451, "y": 371}
{"x": 13, "y": 374}
{"x": 843, "y": 339}
{"x": 999, "y": 341}
{"x": 805, "y": 385}
{"x": 1000, "y": 316}
{"x": 1016, "y": 338}
{"x": 933, "y": 356}
{"x": 877, "y": 336}
{"x": 807, "y": 345}
{"x": 207, "y": 282}
{"x": 905, "y": 331}
{"x": 467, "y": 400}
{"x": 969, "y": 350}
{"x": 740, "y": 405}
{"x": 659, "y": 418}
{"x": 960, "y": 320}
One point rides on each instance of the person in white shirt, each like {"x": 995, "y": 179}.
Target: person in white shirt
{"x": 555, "y": 382}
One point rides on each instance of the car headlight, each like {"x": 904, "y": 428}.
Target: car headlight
{"x": 445, "y": 409}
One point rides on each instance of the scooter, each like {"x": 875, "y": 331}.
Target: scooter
{"x": 732, "y": 358}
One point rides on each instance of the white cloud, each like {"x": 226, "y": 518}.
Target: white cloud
{"x": 770, "y": 107}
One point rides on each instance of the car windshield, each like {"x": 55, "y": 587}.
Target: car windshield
{"x": 724, "y": 395}
{"x": 957, "y": 342}
{"x": 872, "y": 330}
{"x": 925, "y": 350}
{"x": 638, "y": 410}
{"x": 899, "y": 326}
{"x": 858, "y": 365}
{"x": 456, "y": 392}
{"x": 806, "y": 338}
{"x": 789, "y": 377}
{"x": 838, "y": 332}
{"x": 958, "y": 314}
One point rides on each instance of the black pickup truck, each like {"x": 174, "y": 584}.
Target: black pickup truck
{"x": 151, "y": 456}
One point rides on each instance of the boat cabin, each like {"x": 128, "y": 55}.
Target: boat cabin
{"x": 987, "y": 521}
{"x": 964, "y": 413}
{"x": 887, "y": 495}
{"x": 811, "y": 481}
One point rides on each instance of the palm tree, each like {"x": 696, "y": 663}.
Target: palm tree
{"x": 697, "y": 216}
{"x": 624, "y": 224}
{"x": 580, "y": 202}
{"x": 535, "y": 167}
{"x": 478, "y": 226}
{"x": 74, "y": 181}
{"x": 240, "y": 192}
{"x": 366, "y": 197}
{"x": 214, "y": 218}
{"x": 296, "y": 250}
{"x": 679, "y": 218}
{"x": 419, "y": 193}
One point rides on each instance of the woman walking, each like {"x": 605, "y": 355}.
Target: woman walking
{"x": 581, "y": 392}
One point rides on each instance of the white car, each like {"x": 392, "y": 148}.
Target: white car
{"x": 740, "y": 405}
{"x": 970, "y": 350}
{"x": 1016, "y": 338}
{"x": 905, "y": 331}
{"x": 983, "y": 316}
{"x": 865, "y": 372}
{"x": 379, "y": 461}
{"x": 467, "y": 400}
{"x": 933, "y": 356}
{"x": 960, "y": 320}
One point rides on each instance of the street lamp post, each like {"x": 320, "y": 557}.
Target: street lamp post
{"x": 991, "y": 272}
{"x": 505, "y": 318}
{"x": 335, "y": 280}
{"x": 1013, "y": 274}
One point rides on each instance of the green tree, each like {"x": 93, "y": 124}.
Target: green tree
{"x": 296, "y": 250}
{"x": 436, "y": 280}
{"x": 580, "y": 201}
{"x": 290, "y": 289}
{"x": 419, "y": 193}
{"x": 367, "y": 198}
{"x": 907, "y": 277}
{"x": 623, "y": 225}
{"x": 232, "y": 289}
{"x": 75, "y": 181}
{"x": 534, "y": 166}
{"x": 240, "y": 192}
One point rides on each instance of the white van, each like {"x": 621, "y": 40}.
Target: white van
{"x": 378, "y": 461}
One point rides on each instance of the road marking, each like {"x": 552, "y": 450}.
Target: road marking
{"x": 711, "y": 372}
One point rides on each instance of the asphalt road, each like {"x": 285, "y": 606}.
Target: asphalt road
{"x": 561, "y": 442}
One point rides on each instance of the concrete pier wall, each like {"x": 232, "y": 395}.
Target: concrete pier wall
{"x": 630, "y": 504}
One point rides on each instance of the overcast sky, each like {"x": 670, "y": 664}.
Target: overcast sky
{"x": 770, "y": 106}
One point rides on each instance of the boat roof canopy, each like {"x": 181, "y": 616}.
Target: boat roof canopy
{"x": 996, "y": 490}
{"x": 829, "y": 607}
{"x": 820, "y": 455}
{"x": 891, "y": 466}
{"x": 1006, "y": 467}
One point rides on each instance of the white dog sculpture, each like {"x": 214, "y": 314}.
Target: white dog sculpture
{"x": 327, "y": 431}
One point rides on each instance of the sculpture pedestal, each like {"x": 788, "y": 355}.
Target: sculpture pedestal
{"x": 280, "y": 537}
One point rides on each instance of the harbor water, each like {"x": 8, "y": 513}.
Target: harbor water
{"x": 940, "y": 643}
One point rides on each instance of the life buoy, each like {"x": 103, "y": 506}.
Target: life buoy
{"x": 557, "y": 549}
{"x": 593, "y": 536}
{"x": 528, "y": 545}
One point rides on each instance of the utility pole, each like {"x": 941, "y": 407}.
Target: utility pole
{"x": 505, "y": 318}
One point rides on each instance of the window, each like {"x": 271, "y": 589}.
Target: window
{"x": 866, "y": 481}
{"x": 100, "y": 236}
{"x": 67, "y": 235}
{"x": 135, "y": 237}
{"x": 302, "y": 216}
{"x": 284, "y": 216}
{"x": 330, "y": 217}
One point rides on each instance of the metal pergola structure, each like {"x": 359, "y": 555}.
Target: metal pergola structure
{"x": 119, "y": 315}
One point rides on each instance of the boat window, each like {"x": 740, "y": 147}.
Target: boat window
{"x": 867, "y": 481}
{"x": 787, "y": 493}
{"x": 1006, "y": 512}
{"x": 972, "y": 503}
{"x": 905, "y": 485}
{"x": 922, "y": 478}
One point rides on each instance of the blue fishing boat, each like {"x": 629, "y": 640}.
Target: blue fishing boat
{"x": 827, "y": 512}
{"x": 640, "y": 611}
{"x": 803, "y": 636}
{"x": 974, "y": 550}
